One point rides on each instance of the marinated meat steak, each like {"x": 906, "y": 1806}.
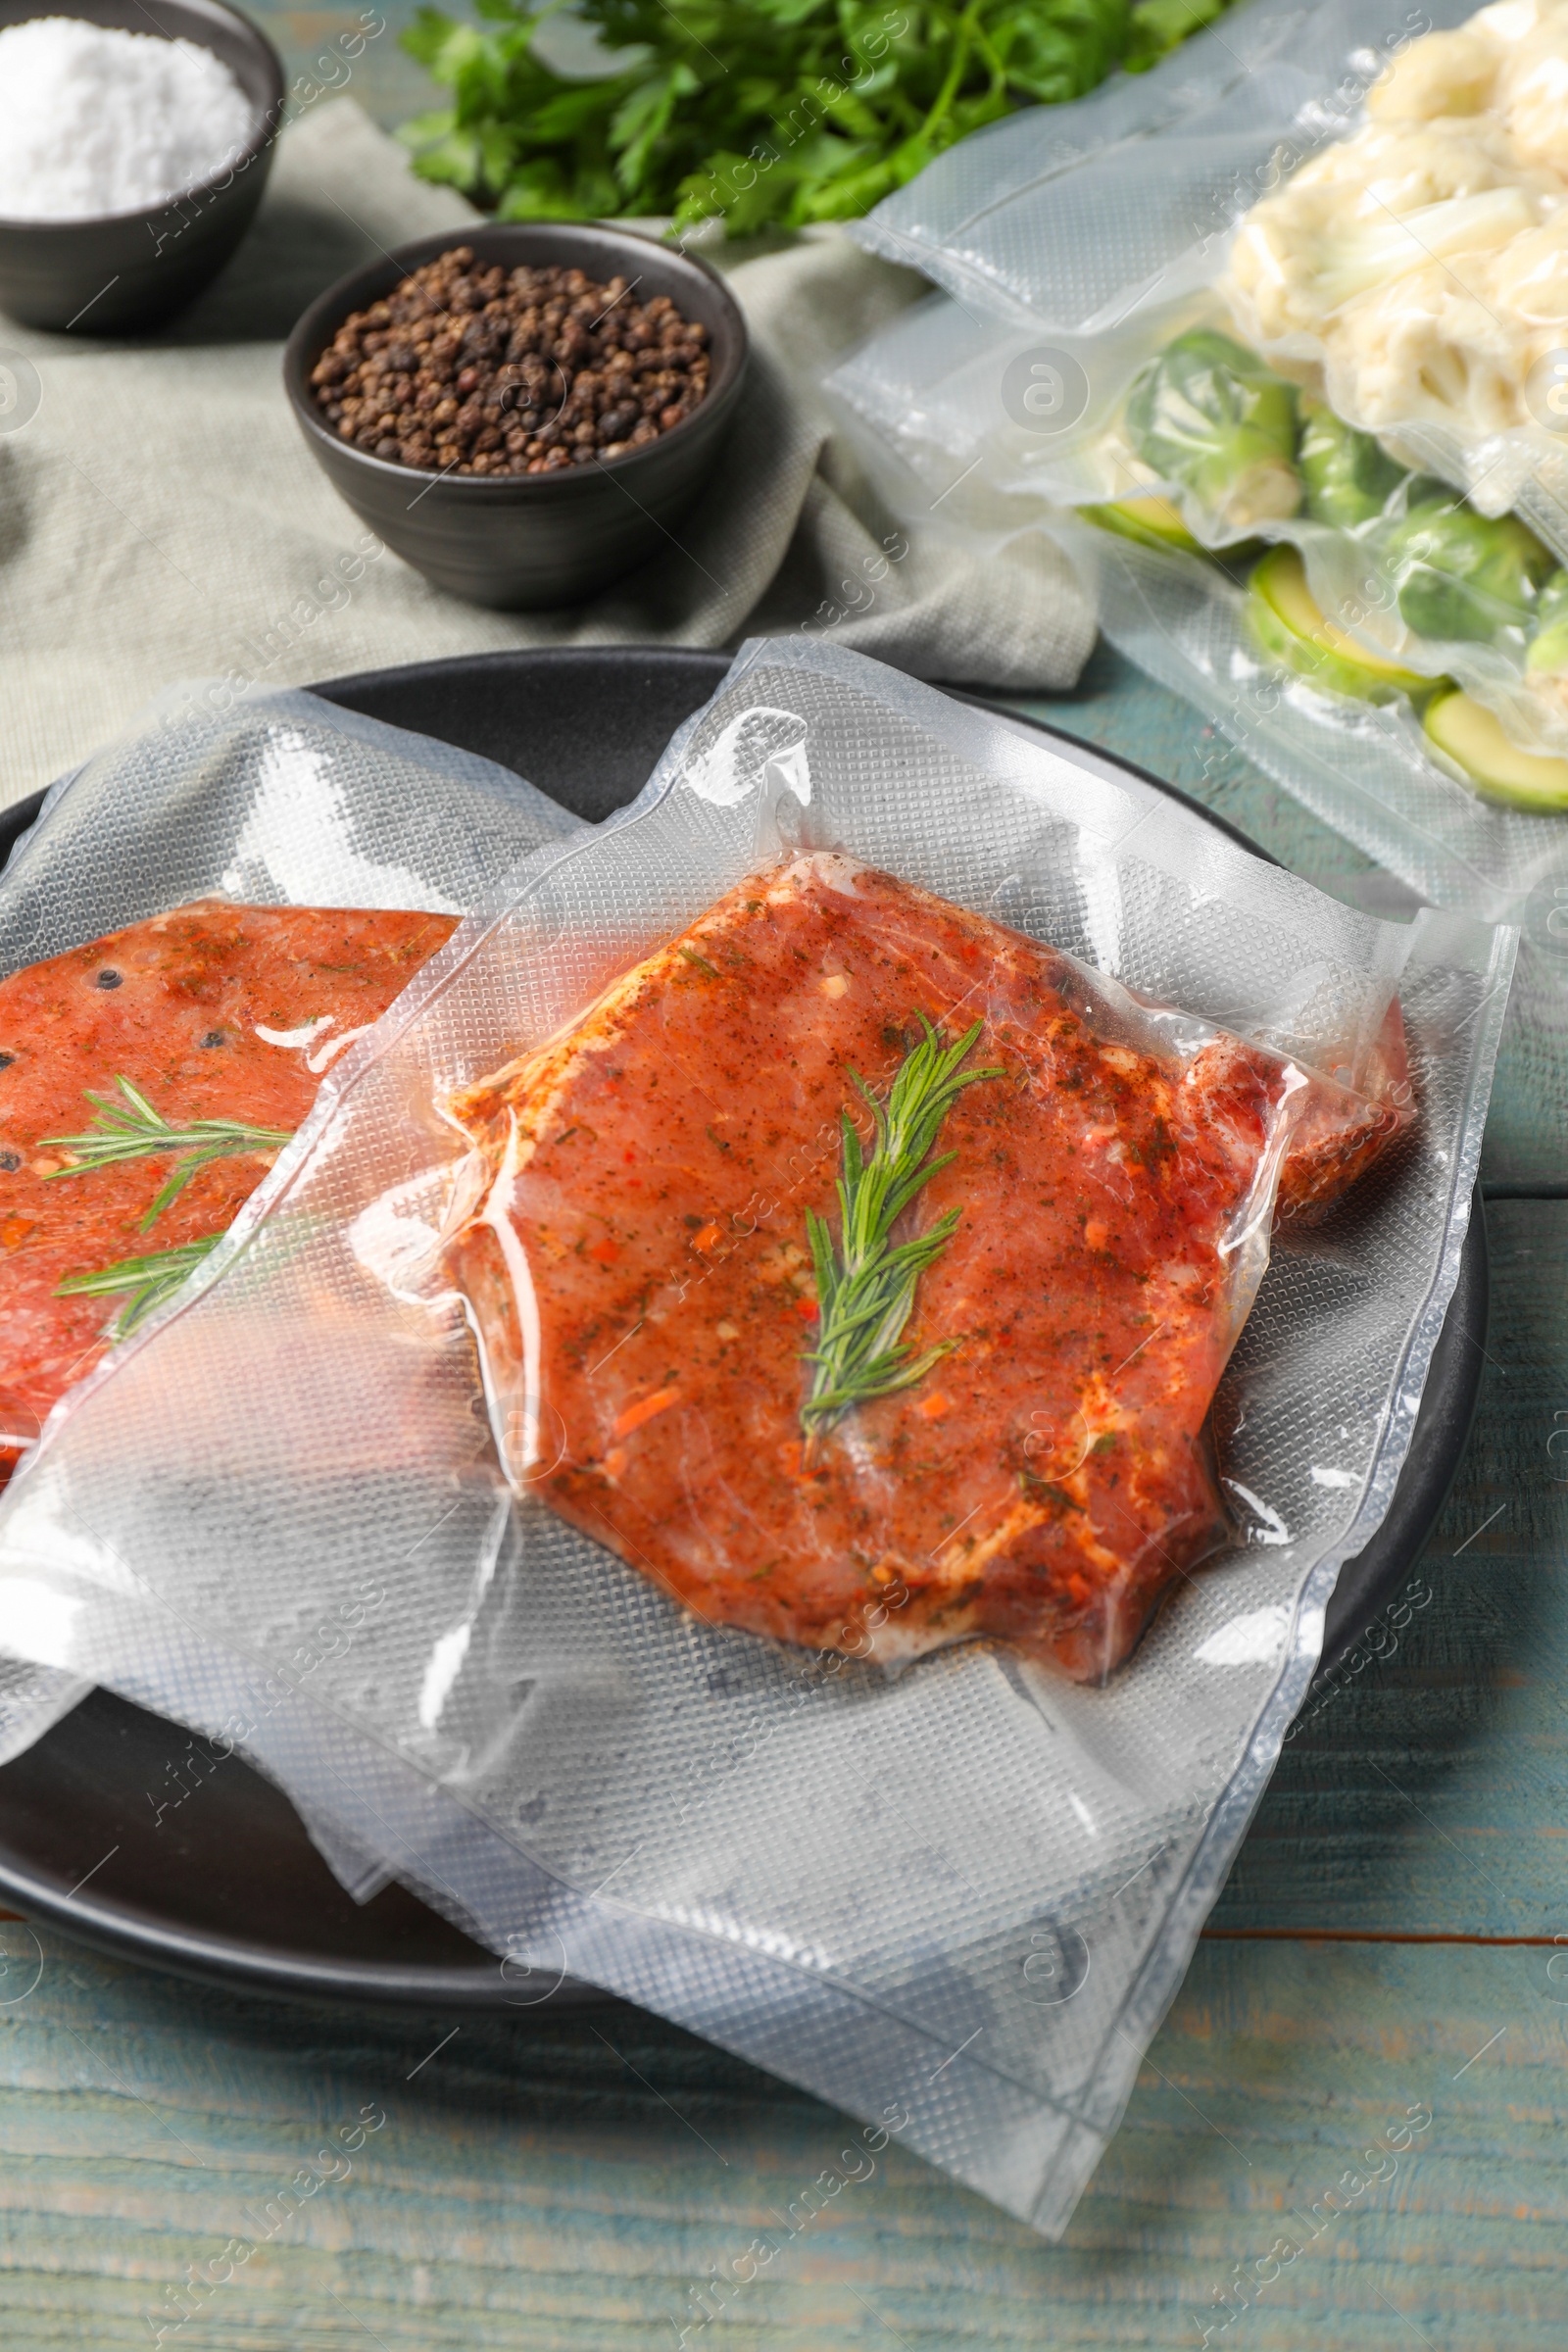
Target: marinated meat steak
{"x": 636, "y": 1252}
{"x": 213, "y": 1012}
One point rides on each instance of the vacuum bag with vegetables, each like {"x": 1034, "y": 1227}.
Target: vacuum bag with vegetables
{"x": 1314, "y": 464}
{"x": 1339, "y": 564}
{"x": 821, "y": 1367}
{"x": 199, "y": 924}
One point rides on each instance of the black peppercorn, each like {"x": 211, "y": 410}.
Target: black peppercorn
{"x": 108, "y": 979}
{"x": 467, "y": 369}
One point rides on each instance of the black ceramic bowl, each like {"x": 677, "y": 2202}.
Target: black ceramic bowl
{"x": 128, "y": 271}
{"x": 520, "y": 541}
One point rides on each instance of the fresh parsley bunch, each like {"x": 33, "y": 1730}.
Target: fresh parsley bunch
{"x": 760, "y": 111}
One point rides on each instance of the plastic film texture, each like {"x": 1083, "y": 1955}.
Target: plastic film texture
{"x": 861, "y": 1270}
{"x": 1394, "y": 559}
{"x": 1365, "y": 768}
{"x": 1061, "y": 215}
{"x": 1368, "y": 769}
{"x": 271, "y": 800}
{"x": 1006, "y": 415}
{"x": 954, "y": 1899}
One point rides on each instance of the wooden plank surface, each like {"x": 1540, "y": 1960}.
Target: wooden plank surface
{"x": 339, "y": 48}
{"x": 543, "y": 2187}
{"x": 540, "y": 2186}
{"x": 1427, "y": 1790}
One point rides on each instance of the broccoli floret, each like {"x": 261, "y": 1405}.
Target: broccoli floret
{"x": 1208, "y": 416}
{"x": 1461, "y": 575}
{"x": 1349, "y": 477}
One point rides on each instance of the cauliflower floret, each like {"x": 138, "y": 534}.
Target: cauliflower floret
{"x": 1420, "y": 269}
{"x": 1532, "y": 96}
{"x": 1379, "y": 208}
{"x": 1529, "y": 276}
{"x": 1402, "y": 166}
{"x": 1511, "y": 22}
{"x": 1446, "y": 74}
{"x": 1425, "y": 347}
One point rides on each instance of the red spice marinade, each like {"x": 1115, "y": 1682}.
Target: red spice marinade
{"x": 213, "y": 1012}
{"x": 636, "y": 1255}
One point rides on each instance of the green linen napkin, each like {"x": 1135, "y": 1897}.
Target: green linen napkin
{"x": 162, "y": 518}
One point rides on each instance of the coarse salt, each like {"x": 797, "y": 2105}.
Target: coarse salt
{"x": 95, "y": 122}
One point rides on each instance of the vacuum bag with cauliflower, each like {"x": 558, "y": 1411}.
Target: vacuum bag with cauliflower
{"x": 1315, "y": 458}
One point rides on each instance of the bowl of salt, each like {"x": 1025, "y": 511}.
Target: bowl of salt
{"x": 134, "y": 145}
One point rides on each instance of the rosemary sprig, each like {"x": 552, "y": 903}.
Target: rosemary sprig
{"x": 148, "y": 1280}
{"x": 865, "y": 1288}
{"x": 131, "y": 1129}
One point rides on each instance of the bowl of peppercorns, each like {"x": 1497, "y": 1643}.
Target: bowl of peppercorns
{"x": 524, "y": 414}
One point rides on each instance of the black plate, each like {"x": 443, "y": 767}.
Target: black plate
{"x": 226, "y": 1884}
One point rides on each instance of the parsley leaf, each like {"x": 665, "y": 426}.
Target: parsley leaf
{"x": 762, "y": 112}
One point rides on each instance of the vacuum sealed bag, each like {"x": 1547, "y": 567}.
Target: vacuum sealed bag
{"x": 1006, "y": 1425}
{"x": 198, "y": 925}
{"x": 676, "y": 1459}
{"x": 1309, "y": 446}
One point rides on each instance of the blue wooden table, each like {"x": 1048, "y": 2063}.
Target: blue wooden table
{"x": 1387, "y": 1943}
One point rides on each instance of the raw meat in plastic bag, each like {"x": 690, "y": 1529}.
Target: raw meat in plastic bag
{"x": 1028, "y": 1455}
{"x": 274, "y": 801}
{"x": 277, "y": 1514}
{"x": 213, "y": 1015}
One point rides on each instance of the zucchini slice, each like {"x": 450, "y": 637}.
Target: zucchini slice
{"x": 1149, "y": 519}
{"x": 1291, "y": 627}
{"x": 1472, "y": 736}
